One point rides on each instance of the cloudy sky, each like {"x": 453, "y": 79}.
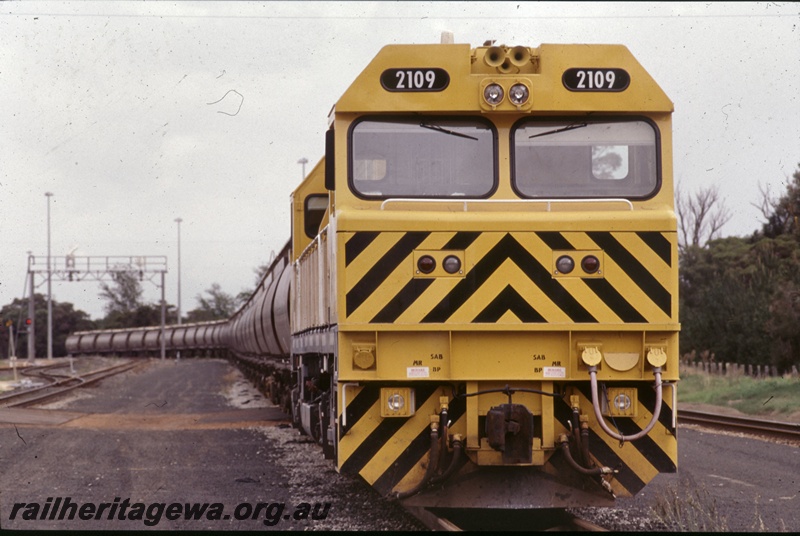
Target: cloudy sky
{"x": 136, "y": 113}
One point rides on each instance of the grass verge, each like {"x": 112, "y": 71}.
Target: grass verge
{"x": 776, "y": 398}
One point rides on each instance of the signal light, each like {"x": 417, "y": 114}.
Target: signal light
{"x": 426, "y": 264}
{"x": 565, "y": 264}
{"x": 28, "y": 321}
{"x": 451, "y": 264}
{"x": 590, "y": 264}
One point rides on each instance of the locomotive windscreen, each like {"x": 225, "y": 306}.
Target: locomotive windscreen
{"x": 586, "y": 159}
{"x": 423, "y": 157}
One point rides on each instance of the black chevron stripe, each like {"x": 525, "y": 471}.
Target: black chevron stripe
{"x": 357, "y": 243}
{"x": 605, "y": 455}
{"x": 414, "y": 288}
{"x": 415, "y": 452}
{"x": 555, "y": 240}
{"x": 658, "y": 243}
{"x": 359, "y": 406}
{"x": 381, "y": 270}
{"x": 609, "y": 458}
{"x": 646, "y": 446}
{"x": 508, "y": 248}
{"x": 631, "y": 266}
{"x": 626, "y": 426}
{"x": 509, "y": 300}
{"x": 648, "y": 399}
{"x": 609, "y": 295}
{"x": 407, "y": 295}
{"x": 368, "y": 448}
{"x": 461, "y": 240}
{"x": 371, "y": 445}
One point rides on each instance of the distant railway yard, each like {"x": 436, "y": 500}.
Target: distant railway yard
{"x": 190, "y": 444}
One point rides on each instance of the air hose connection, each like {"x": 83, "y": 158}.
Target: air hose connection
{"x": 432, "y": 462}
{"x": 602, "y": 422}
{"x": 656, "y": 357}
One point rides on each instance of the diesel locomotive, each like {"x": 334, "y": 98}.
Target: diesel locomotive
{"x": 478, "y": 303}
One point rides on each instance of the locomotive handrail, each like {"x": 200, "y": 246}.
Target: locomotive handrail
{"x": 314, "y": 244}
{"x": 465, "y": 202}
{"x": 345, "y": 385}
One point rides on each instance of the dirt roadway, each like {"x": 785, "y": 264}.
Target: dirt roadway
{"x": 192, "y": 432}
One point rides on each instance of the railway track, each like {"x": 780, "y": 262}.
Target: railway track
{"x": 57, "y": 384}
{"x": 539, "y": 520}
{"x": 773, "y": 429}
{"x": 556, "y": 520}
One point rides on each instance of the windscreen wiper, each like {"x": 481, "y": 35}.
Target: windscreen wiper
{"x": 568, "y": 127}
{"x": 446, "y": 131}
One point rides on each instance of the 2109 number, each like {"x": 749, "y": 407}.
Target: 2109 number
{"x": 433, "y": 79}
{"x": 588, "y": 79}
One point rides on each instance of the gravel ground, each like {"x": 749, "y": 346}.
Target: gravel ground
{"x": 714, "y": 490}
{"x": 312, "y": 479}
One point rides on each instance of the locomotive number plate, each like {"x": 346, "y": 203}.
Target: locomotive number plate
{"x": 430, "y": 79}
{"x": 596, "y": 79}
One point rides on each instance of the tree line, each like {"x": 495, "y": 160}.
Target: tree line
{"x": 740, "y": 296}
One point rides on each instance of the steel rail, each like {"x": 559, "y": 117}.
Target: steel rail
{"x": 38, "y": 372}
{"x": 760, "y": 426}
{"x": 480, "y": 519}
{"x": 58, "y": 387}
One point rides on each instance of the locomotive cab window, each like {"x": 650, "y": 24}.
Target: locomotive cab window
{"x": 583, "y": 159}
{"x": 315, "y": 207}
{"x": 422, "y": 157}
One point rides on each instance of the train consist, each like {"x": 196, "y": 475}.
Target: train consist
{"x": 478, "y": 306}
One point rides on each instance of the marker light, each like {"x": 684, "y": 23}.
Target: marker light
{"x": 590, "y": 264}
{"x": 622, "y": 402}
{"x": 518, "y": 94}
{"x": 493, "y": 94}
{"x": 396, "y": 402}
{"x": 426, "y": 264}
{"x": 451, "y": 264}
{"x": 565, "y": 264}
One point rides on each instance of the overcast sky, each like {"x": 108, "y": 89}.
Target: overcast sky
{"x": 136, "y": 113}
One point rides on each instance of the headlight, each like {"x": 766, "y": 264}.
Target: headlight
{"x": 451, "y": 264}
{"x": 622, "y": 402}
{"x": 493, "y": 94}
{"x": 565, "y": 264}
{"x": 518, "y": 94}
{"x": 396, "y": 402}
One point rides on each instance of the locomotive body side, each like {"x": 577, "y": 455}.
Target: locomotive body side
{"x": 501, "y": 278}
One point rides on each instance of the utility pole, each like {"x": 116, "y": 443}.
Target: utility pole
{"x": 49, "y": 285}
{"x": 178, "y": 221}
{"x": 31, "y": 313}
{"x": 303, "y": 161}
